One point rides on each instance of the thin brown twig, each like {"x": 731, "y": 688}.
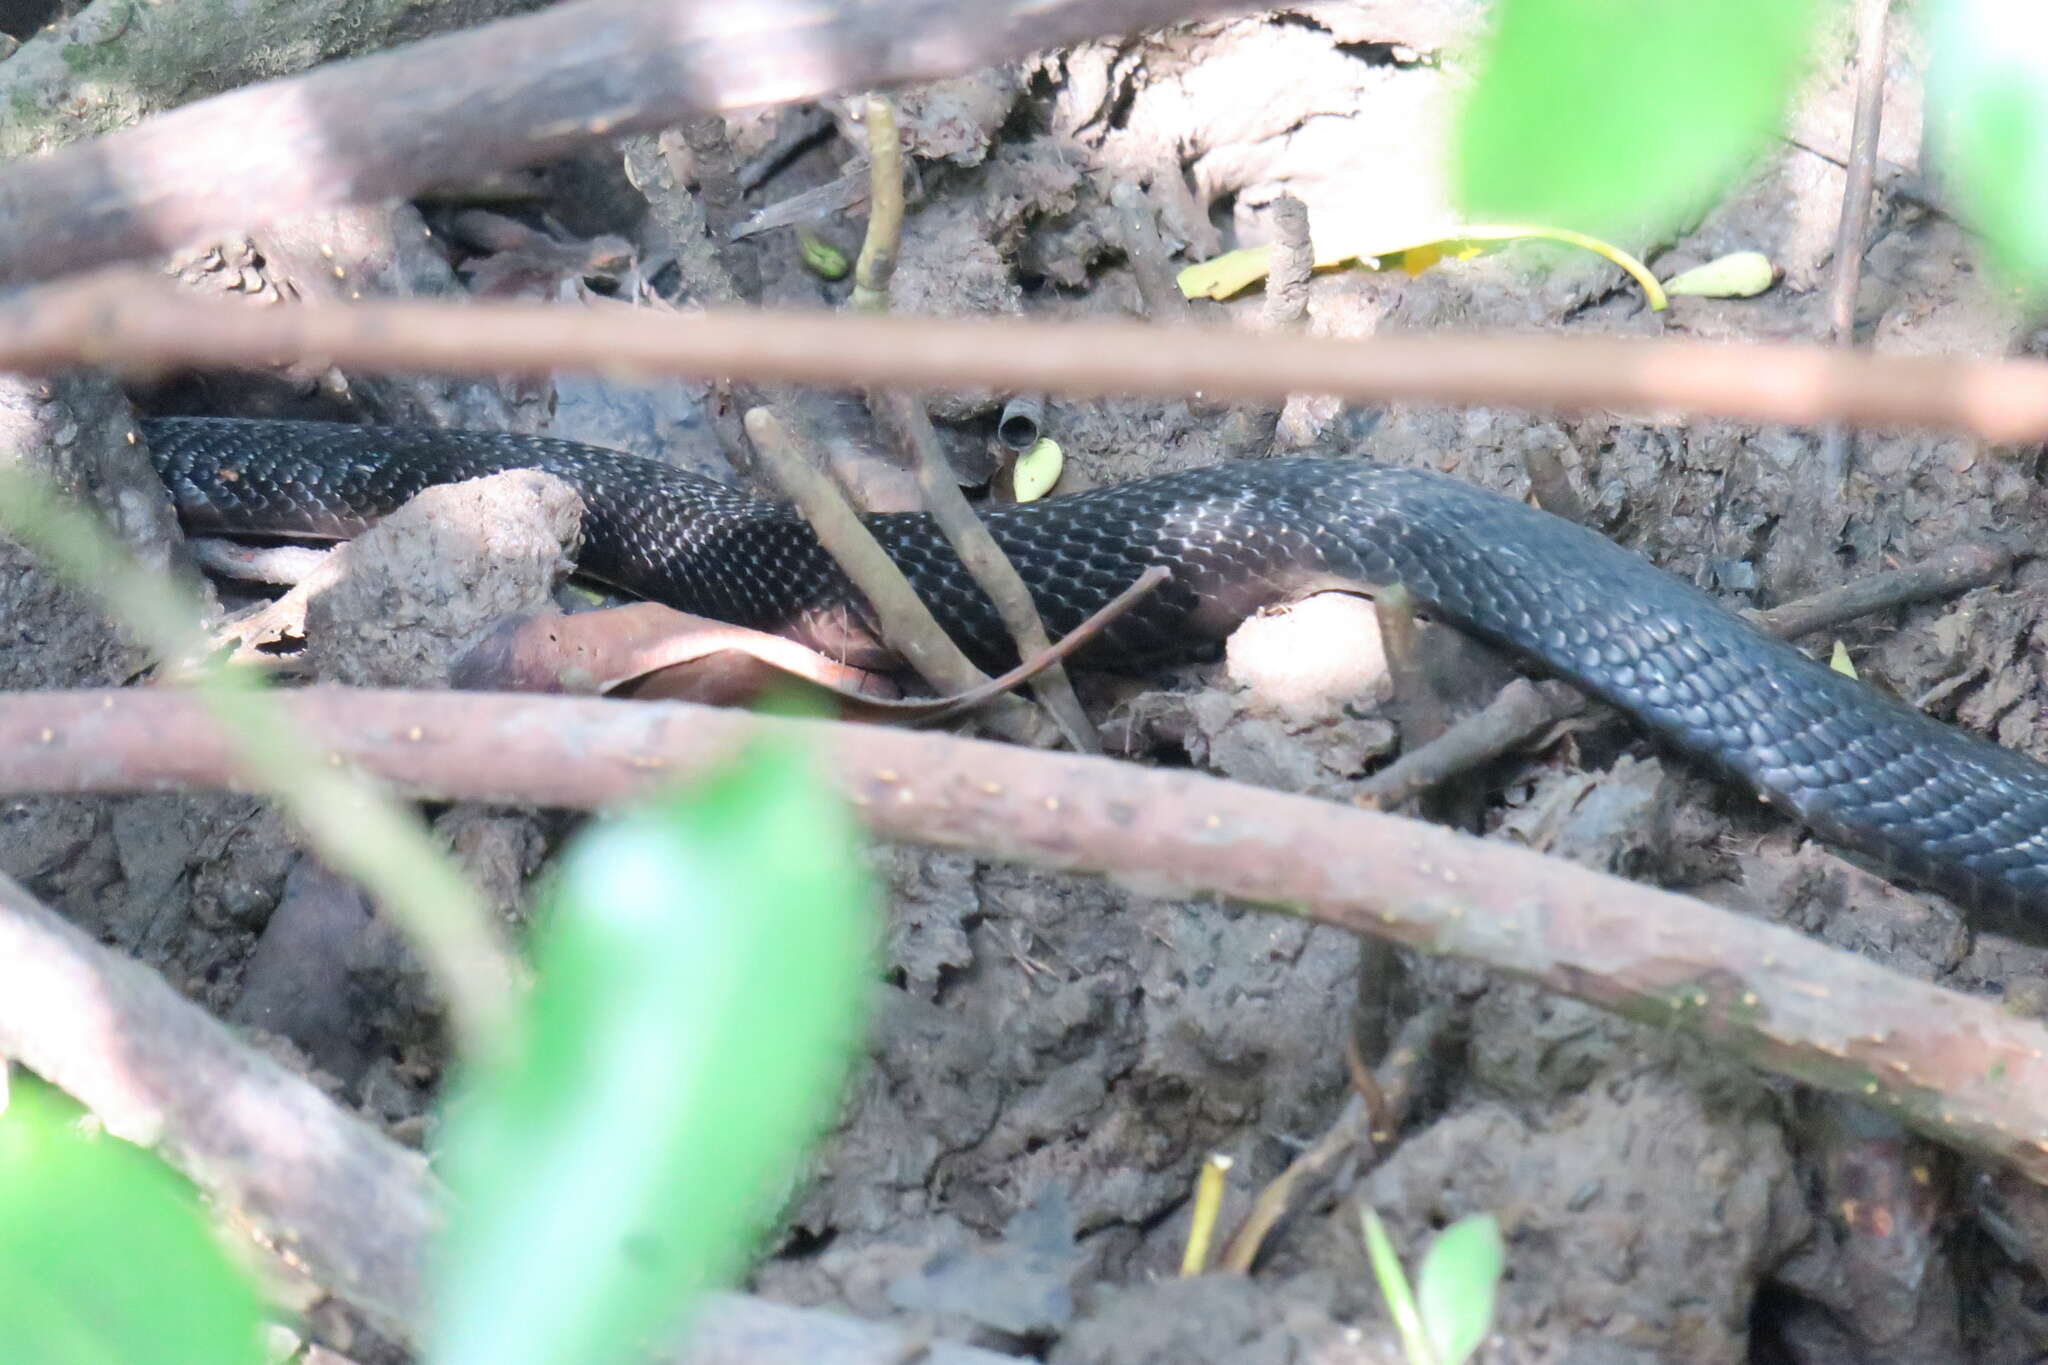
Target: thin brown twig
{"x": 1518, "y": 713}
{"x": 1961, "y": 1069}
{"x": 1376, "y": 1109}
{"x": 1366, "y": 1086}
{"x": 951, "y": 708}
{"x": 986, "y": 563}
{"x": 1854, "y": 224}
{"x": 138, "y": 325}
{"x": 1956, "y": 569}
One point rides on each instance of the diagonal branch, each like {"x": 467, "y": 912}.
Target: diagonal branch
{"x": 515, "y": 93}
{"x": 349, "y": 1206}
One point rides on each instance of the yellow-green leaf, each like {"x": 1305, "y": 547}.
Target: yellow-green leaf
{"x": 820, "y": 256}
{"x": 1738, "y": 275}
{"x": 1221, "y": 276}
{"x": 1038, "y": 469}
{"x": 1225, "y": 275}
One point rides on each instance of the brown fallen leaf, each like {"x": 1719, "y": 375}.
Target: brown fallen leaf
{"x": 651, "y": 652}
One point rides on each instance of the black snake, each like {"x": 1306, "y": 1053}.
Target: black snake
{"x": 1928, "y": 800}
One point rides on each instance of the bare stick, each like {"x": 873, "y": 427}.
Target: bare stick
{"x": 907, "y": 623}
{"x": 136, "y": 325}
{"x": 1375, "y": 1111}
{"x": 1513, "y": 719}
{"x": 514, "y": 93}
{"x": 937, "y": 482}
{"x": 1957, "y": 569}
{"x": 986, "y": 563}
{"x": 878, "y": 246}
{"x": 1854, "y": 224}
{"x": 718, "y": 190}
{"x": 113, "y": 61}
{"x": 1250, "y": 430}
{"x": 1068, "y": 645}
{"x": 1961, "y": 1069}
{"x": 1137, "y": 228}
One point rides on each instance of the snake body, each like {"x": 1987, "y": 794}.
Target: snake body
{"x": 1928, "y": 800}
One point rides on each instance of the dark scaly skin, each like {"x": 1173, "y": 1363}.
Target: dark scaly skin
{"x": 1928, "y": 800}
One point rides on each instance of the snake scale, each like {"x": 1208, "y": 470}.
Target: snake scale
{"x": 1929, "y": 801}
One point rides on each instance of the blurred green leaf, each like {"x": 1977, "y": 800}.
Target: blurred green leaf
{"x": 105, "y": 1256}
{"x": 1457, "y": 1284}
{"x": 1393, "y": 1283}
{"x": 1620, "y": 115}
{"x": 1988, "y": 102}
{"x": 1738, "y": 275}
{"x": 702, "y": 967}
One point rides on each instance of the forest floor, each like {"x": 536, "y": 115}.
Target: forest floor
{"x": 1056, "y": 1056}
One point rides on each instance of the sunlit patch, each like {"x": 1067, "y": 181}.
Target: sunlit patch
{"x": 1312, "y": 657}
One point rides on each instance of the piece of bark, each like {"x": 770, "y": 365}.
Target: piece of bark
{"x": 116, "y": 61}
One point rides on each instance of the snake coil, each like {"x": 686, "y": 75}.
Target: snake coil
{"x": 1929, "y": 801}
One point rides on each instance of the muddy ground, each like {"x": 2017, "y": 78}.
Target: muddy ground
{"x": 1055, "y": 1057}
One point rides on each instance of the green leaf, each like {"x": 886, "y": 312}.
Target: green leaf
{"x": 105, "y": 1256}
{"x": 1393, "y": 1283}
{"x": 1738, "y": 275}
{"x": 1456, "y": 1286}
{"x": 1988, "y": 107}
{"x": 1623, "y": 115}
{"x": 702, "y": 967}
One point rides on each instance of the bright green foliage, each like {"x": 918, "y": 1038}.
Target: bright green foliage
{"x": 1614, "y": 115}
{"x": 1456, "y": 1285}
{"x": 702, "y": 967}
{"x": 1989, "y": 102}
{"x": 105, "y": 1257}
